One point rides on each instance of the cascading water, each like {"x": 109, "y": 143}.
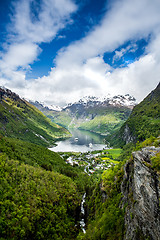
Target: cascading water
{"x": 82, "y": 223}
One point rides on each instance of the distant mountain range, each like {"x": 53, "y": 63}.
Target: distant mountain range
{"x": 101, "y": 115}
{"x": 88, "y": 101}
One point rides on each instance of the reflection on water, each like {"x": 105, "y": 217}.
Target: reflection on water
{"x": 81, "y": 141}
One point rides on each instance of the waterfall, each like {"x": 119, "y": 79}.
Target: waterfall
{"x": 82, "y": 223}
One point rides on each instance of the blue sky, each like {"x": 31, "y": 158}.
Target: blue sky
{"x": 58, "y": 51}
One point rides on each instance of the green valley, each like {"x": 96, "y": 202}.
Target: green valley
{"x": 100, "y": 116}
{"x": 108, "y": 194}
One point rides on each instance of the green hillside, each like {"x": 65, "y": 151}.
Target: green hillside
{"x": 60, "y": 118}
{"x": 19, "y": 119}
{"x": 105, "y": 124}
{"x": 102, "y": 120}
{"x": 40, "y": 195}
{"x": 143, "y": 122}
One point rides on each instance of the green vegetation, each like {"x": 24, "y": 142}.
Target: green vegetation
{"x": 40, "y": 194}
{"x": 103, "y": 120}
{"x": 60, "y": 118}
{"x": 106, "y": 217}
{"x": 115, "y": 153}
{"x": 36, "y": 204}
{"x": 105, "y": 124}
{"x": 156, "y": 162}
{"x": 21, "y": 120}
{"x": 143, "y": 122}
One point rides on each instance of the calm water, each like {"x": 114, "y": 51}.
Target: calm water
{"x": 81, "y": 141}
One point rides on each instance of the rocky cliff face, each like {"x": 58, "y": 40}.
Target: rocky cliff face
{"x": 127, "y": 135}
{"x": 141, "y": 190}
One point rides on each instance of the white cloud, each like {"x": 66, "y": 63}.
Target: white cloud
{"x": 80, "y": 68}
{"x": 79, "y": 71}
{"x": 27, "y": 30}
{"x": 44, "y": 25}
{"x": 138, "y": 79}
{"x": 97, "y": 78}
{"x": 20, "y": 55}
{"x": 126, "y": 20}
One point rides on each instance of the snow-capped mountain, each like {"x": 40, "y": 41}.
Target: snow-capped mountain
{"x": 91, "y": 101}
{"x": 102, "y": 115}
{"x": 52, "y": 107}
{"x": 118, "y": 101}
{"x": 42, "y": 106}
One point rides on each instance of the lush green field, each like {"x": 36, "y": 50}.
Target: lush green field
{"x": 115, "y": 152}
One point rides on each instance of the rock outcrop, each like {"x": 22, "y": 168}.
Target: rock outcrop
{"x": 127, "y": 135}
{"x": 141, "y": 191}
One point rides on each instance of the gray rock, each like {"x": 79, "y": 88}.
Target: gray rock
{"x": 127, "y": 135}
{"x": 141, "y": 192}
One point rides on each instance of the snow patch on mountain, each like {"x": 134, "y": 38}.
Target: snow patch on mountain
{"x": 52, "y": 107}
{"x": 119, "y": 100}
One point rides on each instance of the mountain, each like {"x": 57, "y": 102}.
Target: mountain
{"x": 144, "y": 120}
{"x": 100, "y": 115}
{"x": 19, "y": 119}
{"x": 42, "y": 197}
{"x": 43, "y": 106}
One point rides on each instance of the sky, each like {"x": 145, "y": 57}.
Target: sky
{"x": 57, "y": 51}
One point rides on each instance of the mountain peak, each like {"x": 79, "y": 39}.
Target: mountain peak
{"x": 118, "y": 101}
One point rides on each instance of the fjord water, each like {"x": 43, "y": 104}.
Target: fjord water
{"x": 81, "y": 141}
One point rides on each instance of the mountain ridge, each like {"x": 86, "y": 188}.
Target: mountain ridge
{"x": 19, "y": 119}
{"x": 100, "y": 115}
{"x": 144, "y": 120}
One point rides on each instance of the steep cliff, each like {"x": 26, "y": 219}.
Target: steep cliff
{"x": 144, "y": 120}
{"x": 141, "y": 191}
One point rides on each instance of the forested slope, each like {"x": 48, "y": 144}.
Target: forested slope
{"x": 19, "y": 119}
{"x": 40, "y": 195}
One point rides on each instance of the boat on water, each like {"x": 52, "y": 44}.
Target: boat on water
{"x": 76, "y": 139}
{"x": 90, "y": 145}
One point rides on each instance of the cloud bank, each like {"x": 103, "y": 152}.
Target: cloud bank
{"x": 27, "y": 30}
{"x": 80, "y": 68}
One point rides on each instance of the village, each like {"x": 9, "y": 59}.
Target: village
{"x": 93, "y": 162}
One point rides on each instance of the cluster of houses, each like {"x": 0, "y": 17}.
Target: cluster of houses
{"x": 91, "y": 162}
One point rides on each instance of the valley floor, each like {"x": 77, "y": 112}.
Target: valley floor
{"x": 93, "y": 162}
